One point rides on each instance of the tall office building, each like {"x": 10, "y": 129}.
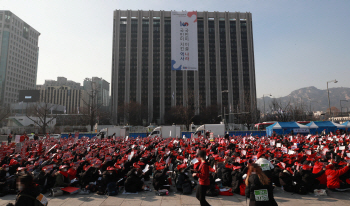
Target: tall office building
{"x": 19, "y": 55}
{"x": 142, "y": 71}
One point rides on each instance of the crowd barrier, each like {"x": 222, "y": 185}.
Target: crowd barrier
{"x": 248, "y": 133}
{"x": 90, "y": 135}
{"x": 135, "y": 135}
{"x": 186, "y": 134}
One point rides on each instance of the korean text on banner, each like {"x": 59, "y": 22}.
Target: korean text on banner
{"x": 184, "y": 43}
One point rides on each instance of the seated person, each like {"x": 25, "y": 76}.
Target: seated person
{"x": 62, "y": 177}
{"x": 160, "y": 178}
{"x": 182, "y": 177}
{"x": 286, "y": 180}
{"x": 91, "y": 174}
{"x": 237, "y": 178}
{"x": 308, "y": 179}
{"x": 108, "y": 176}
{"x": 4, "y": 177}
{"x": 333, "y": 181}
{"x": 133, "y": 182}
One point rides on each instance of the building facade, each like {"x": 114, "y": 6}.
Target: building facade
{"x": 141, "y": 64}
{"x": 19, "y": 53}
{"x": 62, "y": 81}
{"x": 64, "y": 92}
{"x": 101, "y": 88}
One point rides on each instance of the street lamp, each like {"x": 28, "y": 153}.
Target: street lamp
{"x": 341, "y": 108}
{"x": 223, "y": 108}
{"x": 264, "y": 101}
{"x": 329, "y": 102}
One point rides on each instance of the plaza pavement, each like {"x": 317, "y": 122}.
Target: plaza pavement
{"x": 150, "y": 199}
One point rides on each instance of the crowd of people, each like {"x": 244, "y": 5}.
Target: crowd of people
{"x": 245, "y": 165}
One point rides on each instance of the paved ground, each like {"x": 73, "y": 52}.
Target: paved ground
{"x": 149, "y": 198}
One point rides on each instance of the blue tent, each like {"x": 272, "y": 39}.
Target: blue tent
{"x": 286, "y": 128}
{"x": 346, "y": 124}
{"x": 325, "y": 125}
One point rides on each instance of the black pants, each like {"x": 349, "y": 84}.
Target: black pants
{"x": 200, "y": 194}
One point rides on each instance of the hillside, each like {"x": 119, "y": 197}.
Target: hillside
{"x": 317, "y": 97}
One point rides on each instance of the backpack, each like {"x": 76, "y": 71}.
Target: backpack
{"x": 213, "y": 191}
{"x": 101, "y": 190}
{"x": 242, "y": 187}
{"x": 186, "y": 188}
{"x": 112, "y": 189}
{"x": 40, "y": 200}
{"x": 91, "y": 187}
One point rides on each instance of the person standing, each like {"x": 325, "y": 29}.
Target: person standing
{"x": 36, "y": 137}
{"x": 258, "y": 189}
{"x": 28, "y": 191}
{"x": 203, "y": 177}
{"x": 9, "y": 139}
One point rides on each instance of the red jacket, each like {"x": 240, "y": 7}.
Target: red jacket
{"x": 203, "y": 174}
{"x": 72, "y": 173}
{"x": 318, "y": 168}
{"x": 333, "y": 180}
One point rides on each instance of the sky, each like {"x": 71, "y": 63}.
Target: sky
{"x": 297, "y": 43}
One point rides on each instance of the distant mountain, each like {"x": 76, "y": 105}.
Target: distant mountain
{"x": 317, "y": 97}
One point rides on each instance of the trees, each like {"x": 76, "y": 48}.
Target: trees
{"x": 209, "y": 115}
{"x": 92, "y": 109}
{"x": 4, "y": 113}
{"x": 286, "y": 111}
{"x": 133, "y": 113}
{"x": 41, "y": 114}
{"x": 185, "y": 113}
{"x": 248, "y": 115}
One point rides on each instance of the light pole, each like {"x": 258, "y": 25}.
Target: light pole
{"x": 264, "y": 101}
{"x": 341, "y": 108}
{"x": 223, "y": 108}
{"x": 329, "y": 102}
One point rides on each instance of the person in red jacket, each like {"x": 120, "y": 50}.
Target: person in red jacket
{"x": 318, "y": 167}
{"x": 203, "y": 177}
{"x": 333, "y": 181}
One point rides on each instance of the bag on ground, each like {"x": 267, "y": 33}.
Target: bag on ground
{"x": 112, "y": 189}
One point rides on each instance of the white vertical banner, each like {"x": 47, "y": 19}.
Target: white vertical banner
{"x": 184, "y": 43}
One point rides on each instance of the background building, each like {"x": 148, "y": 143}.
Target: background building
{"x": 19, "y": 55}
{"x": 63, "y": 92}
{"x": 141, "y": 65}
{"x": 62, "y": 81}
{"x": 101, "y": 87}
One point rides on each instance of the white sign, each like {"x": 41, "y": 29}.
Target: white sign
{"x": 184, "y": 43}
{"x": 194, "y": 161}
{"x": 17, "y": 138}
{"x": 146, "y": 169}
{"x": 301, "y": 130}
